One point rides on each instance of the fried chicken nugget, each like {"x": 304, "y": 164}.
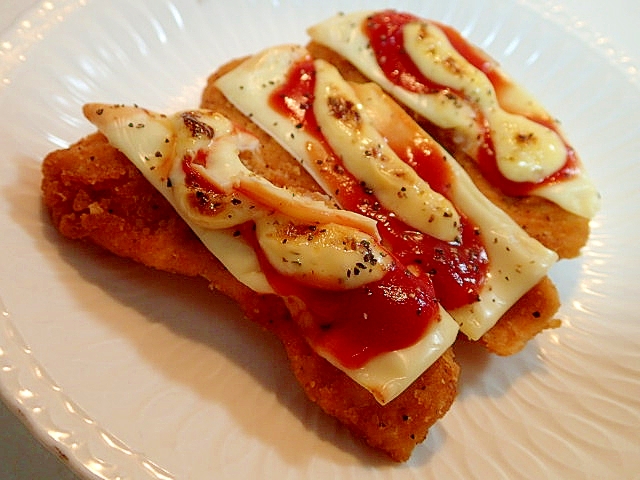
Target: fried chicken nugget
{"x": 95, "y": 194}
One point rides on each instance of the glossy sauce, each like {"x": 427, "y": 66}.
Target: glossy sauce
{"x": 457, "y": 269}
{"x": 385, "y": 32}
{"x": 356, "y": 325}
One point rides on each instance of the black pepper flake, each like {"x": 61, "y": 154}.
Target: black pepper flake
{"x": 536, "y": 314}
{"x": 237, "y": 233}
{"x": 158, "y": 154}
{"x": 169, "y": 183}
{"x": 367, "y": 190}
{"x": 100, "y": 111}
{"x": 236, "y": 201}
{"x": 198, "y": 128}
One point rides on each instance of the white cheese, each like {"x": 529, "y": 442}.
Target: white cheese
{"x": 158, "y": 146}
{"x": 321, "y": 257}
{"x": 388, "y": 375}
{"x": 367, "y": 156}
{"x": 526, "y": 151}
{"x": 517, "y": 261}
{"x": 139, "y": 134}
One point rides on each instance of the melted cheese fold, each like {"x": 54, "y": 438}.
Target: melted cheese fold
{"x": 159, "y": 146}
{"x": 526, "y": 151}
{"x": 517, "y": 261}
{"x": 366, "y": 155}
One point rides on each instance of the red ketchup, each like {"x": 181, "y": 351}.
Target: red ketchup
{"x": 356, "y": 325}
{"x": 458, "y": 269}
{"x": 385, "y": 32}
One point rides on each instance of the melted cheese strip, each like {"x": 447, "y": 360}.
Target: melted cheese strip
{"x": 388, "y": 375}
{"x": 152, "y": 141}
{"x": 159, "y": 146}
{"x": 517, "y": 261}
{"x": 319, "y": 257}
{"x": 148, "y": 139}
{"x": 526, "y": 151}
{"x": 366, "y": 155}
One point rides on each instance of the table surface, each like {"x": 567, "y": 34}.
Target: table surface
{"x": 22, "y": 457}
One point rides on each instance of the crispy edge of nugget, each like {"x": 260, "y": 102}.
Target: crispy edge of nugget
{"x": 94, "y": 194}
{"x": 533, "y": 313}
{"x": 557, "y": 229}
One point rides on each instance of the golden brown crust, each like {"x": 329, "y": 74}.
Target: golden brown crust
{"x": 95, "y": 194}
{"x": 557, "y": 229}
{"x": 395, "y": 428}
{"x": 533, "y": 313}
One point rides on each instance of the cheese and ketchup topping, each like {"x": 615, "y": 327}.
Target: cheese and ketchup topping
{"x": 362, "y": 148}
{"x": 431, "y": 69}
{"x": 353, "y": 300}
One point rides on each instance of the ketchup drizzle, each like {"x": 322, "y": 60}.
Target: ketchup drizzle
{"x": 356, "y": 325}
{"x": 385, "y": 32}
{"x": 457, "y": 269}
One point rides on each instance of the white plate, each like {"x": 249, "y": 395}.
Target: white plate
{"x": 131, "y": 373}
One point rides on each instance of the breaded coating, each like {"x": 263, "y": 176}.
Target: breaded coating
{"x": 529, "y": 316}
{"x": 95, "y": 194}
{"x": 557, "y": 229}
{"x": 533, "y": 313}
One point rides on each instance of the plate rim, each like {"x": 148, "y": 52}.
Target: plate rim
{"x": 615, "y": 57}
